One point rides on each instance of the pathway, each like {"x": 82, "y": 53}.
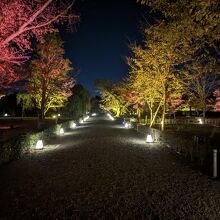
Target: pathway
{"x": 103, "y": 171}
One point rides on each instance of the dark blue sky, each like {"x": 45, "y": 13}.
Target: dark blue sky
{"x": 100, "y": 43}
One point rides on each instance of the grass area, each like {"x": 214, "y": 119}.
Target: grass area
{"x": 211, "y": 133}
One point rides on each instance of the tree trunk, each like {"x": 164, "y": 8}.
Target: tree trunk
{"x": 155, "y": 114}
{"x": 117, "y": 113}
{"x": 22, "y": 111}
{"x": 163, "y": 114}
{"x": 145, "y": 119}
{"x": 138, "y": 114}
{"x": 203, "y": 114}
{"x": 204, "y": 110}
{"x": 43, "y": 100}
{"x": 42, "y": 112}
{"x": 151, "y": 115}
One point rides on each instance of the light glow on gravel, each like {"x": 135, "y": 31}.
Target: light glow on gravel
{"x": 111, "y": 117}
{"x": 86, "y": 118}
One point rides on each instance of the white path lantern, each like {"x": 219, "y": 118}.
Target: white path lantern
{"x": 149, "y": 138}
{"x": 73, "y": 125}
{"x": 39, "y": 145}
{"x": 61, "y": 131}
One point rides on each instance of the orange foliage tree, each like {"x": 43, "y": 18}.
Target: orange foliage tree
{"x": 50, "y": 83}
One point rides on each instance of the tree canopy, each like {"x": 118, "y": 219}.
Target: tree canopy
{"x": 21, "y": 22}
{"x": 50, "y": 82}
{"x": 79, "y": 102}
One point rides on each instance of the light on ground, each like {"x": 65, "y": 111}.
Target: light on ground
{"x": 39, "y": 145}
{"x": 86, "y": 118}
{"x": 110, "y": 116}
{"x": 93, "y": 114}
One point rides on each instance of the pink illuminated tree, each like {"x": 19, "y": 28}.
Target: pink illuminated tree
{"x": 217, "y": 100}
{"x": 133, "y": 98}
{"x": 174, "y": 104}
{"x": 21, "y": 22}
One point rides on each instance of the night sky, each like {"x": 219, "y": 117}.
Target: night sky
{"x": 100, "y": 43}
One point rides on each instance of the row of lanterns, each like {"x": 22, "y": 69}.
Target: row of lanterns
{"x": 39, "y": 145}
{"x": 73, "y": 125}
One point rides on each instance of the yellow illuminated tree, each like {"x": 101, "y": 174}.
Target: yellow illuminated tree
{"x": 113, "y": 97}
{"x": 50, "y": 84}
{"x": 197, "y": 21}
{"x": 141, "y": 82}
{"x": 152, "y": 74}
{"x": 26, "y": 102}
{"x": 175, "y": 38}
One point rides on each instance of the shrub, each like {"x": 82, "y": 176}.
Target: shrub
{"x": 15, "y": 148}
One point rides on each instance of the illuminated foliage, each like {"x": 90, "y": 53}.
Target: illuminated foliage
{"x": 200, "y": 81}
{"x": 183, "y": 28}
{"x": 50, "y": 84}
{"x": 133, "y": 98}
{"x": 217, "y": 101}
{"x": 197, "y": 20}
{"x": 2, "y": 95}
{"x": 113, "y": 97}
{"x": 22, "y": 21}
{"x": 26, "y": 101}
{"x": 152, "y": 76}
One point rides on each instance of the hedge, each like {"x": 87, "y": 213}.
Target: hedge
{"x": 15, "y": 148}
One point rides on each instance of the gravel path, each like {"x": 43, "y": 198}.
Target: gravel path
{"x": 103, "y": 171}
